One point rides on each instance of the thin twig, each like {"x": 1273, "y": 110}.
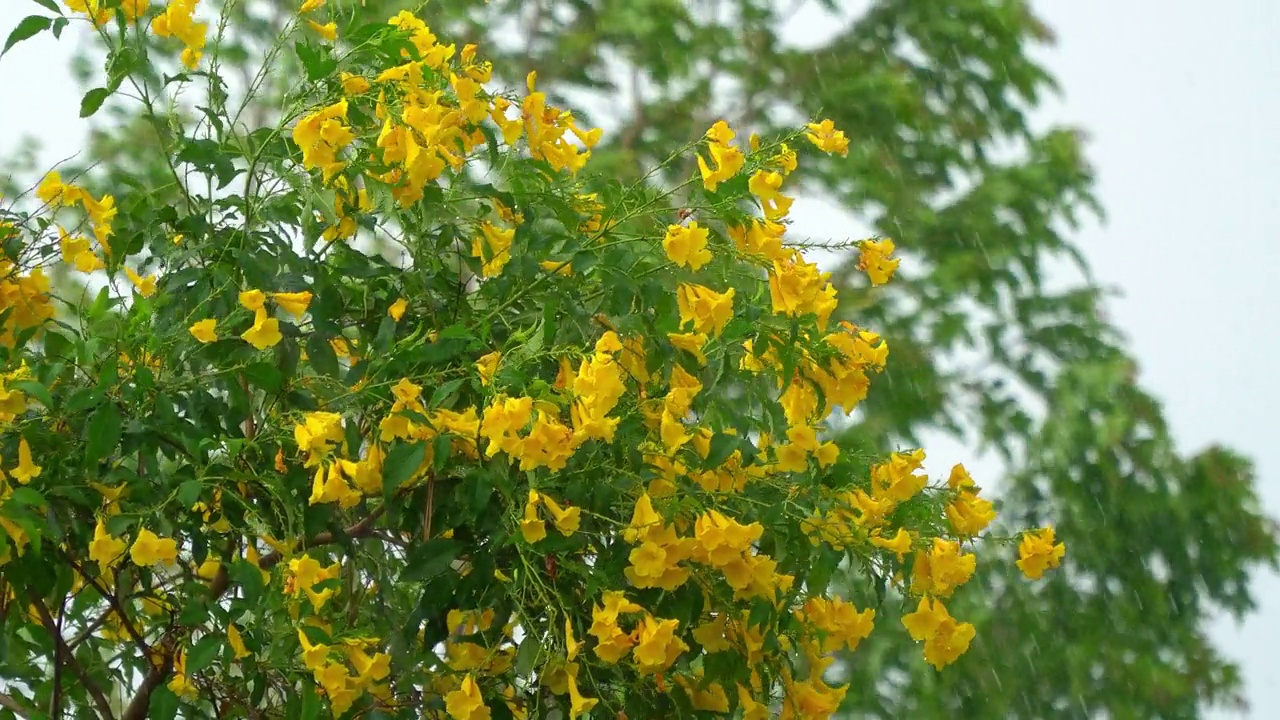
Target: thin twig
{"x": 61, "y": 649}
{"x": 361, "y": 529}
{"x": 14, "y": 706}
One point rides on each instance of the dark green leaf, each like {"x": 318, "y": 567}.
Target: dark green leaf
{"x": 265, "y": 375}
{"x": 49, "y": 5}
{"x": 189, "y": 492}
{"x": 722, "y": 446}
{"x": 429, "y": 559}
{"x": 249, "y": 578}
{"x": 93, "y": 100}
{"x": 28, "y": 497}
{"x": 401, "y": 463}
{"x": 203, "y": 653}
{"x": 440, "y": 447}
{"x": 311, "y": 705}
{"x": 163, "y": 705}
{"x": 527, "y": 655}
{"x": 316, "y": 61}
{"x": 443, "y": 392}
{"x": 322, "y": 357}
{"x": 103, "y": 432}
{"x": 35, "y": 390}
{"x": 28, "y": 27}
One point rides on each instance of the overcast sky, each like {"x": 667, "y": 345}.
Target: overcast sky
{"x": 1182, "y": 105}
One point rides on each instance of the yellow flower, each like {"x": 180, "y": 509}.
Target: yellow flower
{"x": 78, "y": 252}
{"x": 493, "y": 248}
{"x": 764, "y": 184}
{"x": 691, "y": 343}
{"x": 658, "y": 645}
{"x": 146, "y": 286}
{"x": 827, "y": 138}
{"x": 204, "y": 330}
{"x": 149, "y": 549}
{"x": 396, "y": 311}
{"x": 945, "y": 640}
{"x": 353, "y": 84}
{"x": 466, "y": 703}
{"x": 236, "y": 642}
{"x": 26, "y": 470}
{"x": 726, "y": 160}
{"x": 105, "y": 549}
{"x": 706, "y": 309}
{"x": 578, "y": 705}
{"x": 874, "y": 260}
{"x": 899, "y": 544}
{"x": 566, "y": 521}
{"x": 264, "y": 333}
{"x": 53, "y": 191}
{"x": 294, "y": 303}
{"x": 941, "y": 570}
{"x": 310, "y": 5}
{"x": 559, "y": 267}
{"x": 181, "y": 685}
{"x": 1038, "y": 553}
{"x": 253, "y": 300}
{"x": 327, "y": 31}
{"x": 487, "y": 365}
{"x": 687, "y": 246}
{"x": 314, "y": 655}
{"x": 531, "y": 526}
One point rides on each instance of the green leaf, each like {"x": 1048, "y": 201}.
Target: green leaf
{"x": 35, "y": 390}
{"x": 440, "y": 451}
{"x": 29, "y": 27}
{"x": 189, "y": 492}
{"x": 310, "y": 702}
{"x": 93, "y": 100}
{"x": 322, "y": 357}
{"x": 210, "y": 158}
{"x": 722, "y": 446}
{"x": 27, "y": 496}
{"x": 49, "y": 5}
{"x": 386, "y": 335}
{"x": 103, "y": 432}
{"x": 204, "y": 652}
{"x": 163, "y": 705}
{"x": 429, "y": 559}
{"x": 527, "y": 655}
{"x": 83, "y": 399}
{"x": 315, "y": 61}
{"x": 401, "y": 463}
{"x": 443, "y": 392}
{"x": 441, "y": 350}
{"x": 265, "y": 375}
{"x": 249, "y": 578}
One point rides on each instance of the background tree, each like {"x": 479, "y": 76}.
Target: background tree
{"x": 995, "y": 324}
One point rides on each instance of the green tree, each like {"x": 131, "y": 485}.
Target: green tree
{"x": 986, "y": 344}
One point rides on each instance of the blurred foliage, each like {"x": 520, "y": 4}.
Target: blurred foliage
{"x": 990, "y": 342}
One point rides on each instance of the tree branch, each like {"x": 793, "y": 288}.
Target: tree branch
{"x": 61, "y": 649}
{"x": 14, "y": 707}
{"x": 141, "y": 702}
{"x": 364, "y": 528}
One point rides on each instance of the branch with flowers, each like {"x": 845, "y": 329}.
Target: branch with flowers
{"x": 428, "y": 420}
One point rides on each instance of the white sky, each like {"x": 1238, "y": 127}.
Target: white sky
{"x": 1181, "y": 106}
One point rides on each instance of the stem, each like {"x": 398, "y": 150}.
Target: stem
{"x": 14, "y": 707}
{"x": 361, "y": 529}
{"x": 61, "y": 650}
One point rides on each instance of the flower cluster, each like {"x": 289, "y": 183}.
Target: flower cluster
{"x": 432, "y": 417}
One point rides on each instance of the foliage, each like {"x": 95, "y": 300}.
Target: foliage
{"x": 563, "y": 446}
